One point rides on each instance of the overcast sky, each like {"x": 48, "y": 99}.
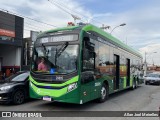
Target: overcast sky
{"x": 142, "y": 18}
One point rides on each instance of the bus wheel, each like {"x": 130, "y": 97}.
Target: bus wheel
{"x": 133, "y": 85}
{"x": 104, "y": 93}
{"x": 136, "y": 85}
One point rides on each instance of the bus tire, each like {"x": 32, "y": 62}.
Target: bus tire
{"x": 104, "y": 93}
{"x": 133, "y": 85}
{"x": 136, "y": 84}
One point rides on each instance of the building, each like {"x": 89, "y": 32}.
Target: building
{"x": 27, "y": 53}
{"x": 153, "y": 68}
{"x": 11, "y": 37}
{"x": 27, "y": 49}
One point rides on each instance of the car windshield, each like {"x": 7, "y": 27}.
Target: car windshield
{"x": 153, "y": 75}
{"x": 58, "y": 59}
{"x": 20, "y": 77}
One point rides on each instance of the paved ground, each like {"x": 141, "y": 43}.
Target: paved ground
{"x": 144, "y": 98}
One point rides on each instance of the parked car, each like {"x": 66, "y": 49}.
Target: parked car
{"x": 15, "y": 89}
{"x": 152, "y": 78}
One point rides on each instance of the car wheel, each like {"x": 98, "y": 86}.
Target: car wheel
{"x": 104, "y": 93}
{"x": 146, "y": 83}
{"x": 18, "y": 97}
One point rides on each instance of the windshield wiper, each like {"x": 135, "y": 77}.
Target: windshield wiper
{"x": 63, "y": 47}
{"x": 45, "y": 50}
{"x": 44, "y": 47}
{"x": 60, "y": 50}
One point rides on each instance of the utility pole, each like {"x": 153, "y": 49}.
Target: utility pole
{"x": 26, "y": 57}
{"x": 145, "y": 62}
{"x": 145, "y": 65}
{"x": 126, "y": 41}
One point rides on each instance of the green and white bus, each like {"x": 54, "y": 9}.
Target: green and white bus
{"x": 82, "y": 63}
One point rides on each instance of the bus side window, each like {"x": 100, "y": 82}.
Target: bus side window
{"x": 88, "y": 55}
{"x": 88, "y": 60}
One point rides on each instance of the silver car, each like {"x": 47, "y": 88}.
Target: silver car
{"x": 152, "y": 78}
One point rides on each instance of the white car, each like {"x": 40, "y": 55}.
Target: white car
{"x": 152, "y": 78}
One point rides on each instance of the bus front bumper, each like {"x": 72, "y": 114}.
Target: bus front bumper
{"x": 67, "y": 97}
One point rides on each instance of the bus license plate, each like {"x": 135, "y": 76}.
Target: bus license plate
{"x": 47, "y": 98}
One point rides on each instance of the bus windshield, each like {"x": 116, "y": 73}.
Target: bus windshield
{"x": 59, "y": 59}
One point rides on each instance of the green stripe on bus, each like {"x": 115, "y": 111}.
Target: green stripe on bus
{"x": 124, "y": 83}
{"x": 49, "y": 92}
{"x": 72, "y": 80}
{"x": 131, "y": 81}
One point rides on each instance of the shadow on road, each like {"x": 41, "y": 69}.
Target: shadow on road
{"x": 41, "y": 105}
{"x": 55, "y": 106}
{"x": 114, "y": 95}
{"x": 11, "y": 104}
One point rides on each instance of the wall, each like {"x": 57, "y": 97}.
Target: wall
{"x": 11, "y": 24}
{"x": 11, "y": 37}
{"x": 11, "y": 55}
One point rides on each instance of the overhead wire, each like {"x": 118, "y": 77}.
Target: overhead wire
{"x": 12, "y": 21}
{"x": 7, "y": 11}
{"x": 11, "y": 26}
{"x": 60, "y": 7}
{"x": 32, "y": 26}
{"x": 66, "y": 7}
{"x": 26, "y": 24}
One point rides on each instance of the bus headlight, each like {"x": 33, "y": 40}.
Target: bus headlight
{"x": 72, "y": 87}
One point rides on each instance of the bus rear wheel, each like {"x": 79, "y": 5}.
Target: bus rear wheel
{"x": 133, "y": 85}
{"x": 104, "y": 93}
{"x": 136, "y": 83}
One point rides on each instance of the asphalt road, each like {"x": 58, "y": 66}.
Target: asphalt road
{"x": 144, "y": 98}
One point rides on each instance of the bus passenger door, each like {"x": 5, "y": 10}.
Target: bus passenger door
{"x": 87, "y": 73}
{"x": 87, "y": 85}
{"x": 116, "y": 71}
{"x": 0, "y": 64}
{"x": 128, "y": 72}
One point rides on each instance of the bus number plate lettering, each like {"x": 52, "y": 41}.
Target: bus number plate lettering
{"x": 47, "y": 98}
{"x": 59, "y": 77}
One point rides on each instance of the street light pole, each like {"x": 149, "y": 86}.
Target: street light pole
{"x": 145, "y": 65}
{"x": 152, "y": 58}
{"x": 123, "y": 24}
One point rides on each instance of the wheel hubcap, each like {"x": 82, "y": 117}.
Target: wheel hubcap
{"x": 134, "y": 85}
{"x": 19, "y": 97}
{"x": 103, "y": 92}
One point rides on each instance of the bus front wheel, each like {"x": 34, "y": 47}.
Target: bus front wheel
{"x": 104, "y": 93}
